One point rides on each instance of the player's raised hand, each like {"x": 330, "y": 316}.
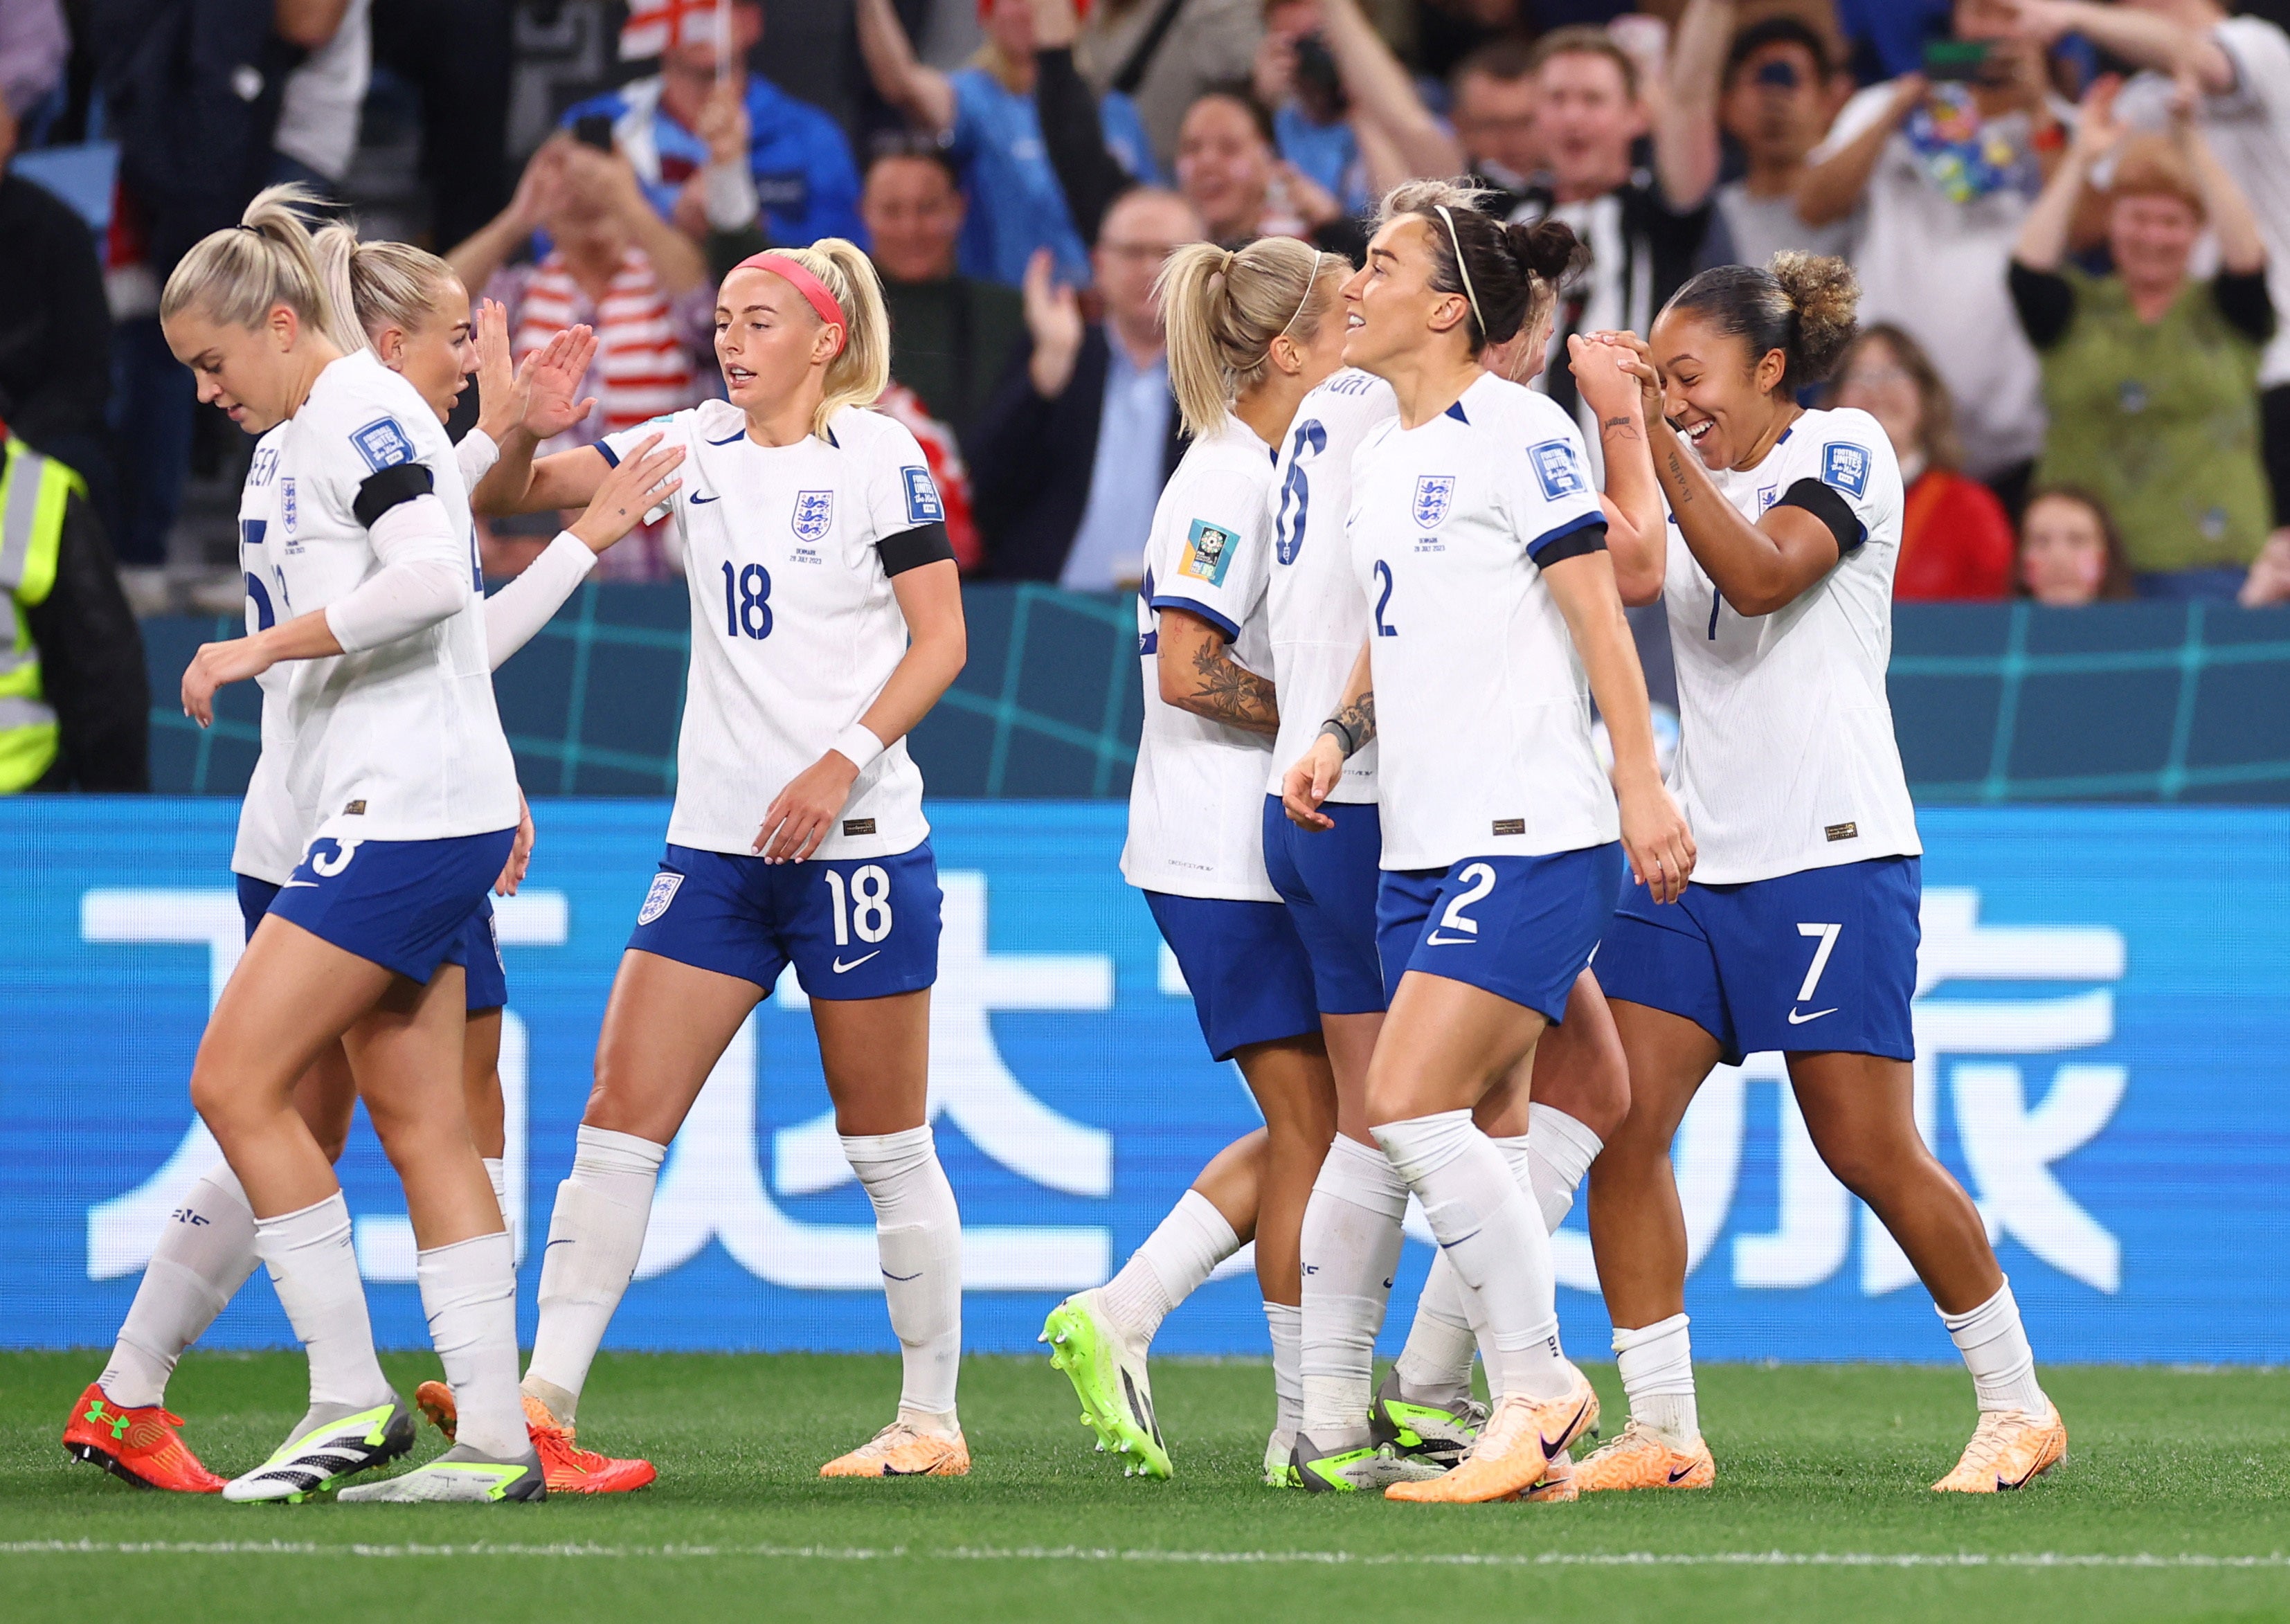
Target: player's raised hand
{"x": 807, "y": 809}
{"x": 504, "y": 390}
{"x": 1600, "y": 376}
{"x": 554, "y": 374}
{"x": 1637, "y": 361}
{"x": 641, "y": 483}
{"x": 1304, "y": 786}
{"x": 520, "y": 851}
{"x": 1655, "y": 837}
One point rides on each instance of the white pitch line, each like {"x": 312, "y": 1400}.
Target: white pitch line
{"x": 1075, "y": 1553}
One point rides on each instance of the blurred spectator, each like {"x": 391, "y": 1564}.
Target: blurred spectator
{"x": 2269, "y": 581}
{"x": 317, "y": 130}
{"x": 1490, "y": 99}
{"x": 799, "y": 170}
{"x": 1164, "y": 54}
{"x": 1780, "y": 94}
{"x": 1644, "y": 229}
{"x": 1886, "y": 39}
{"x": 33, "y": 48}
{"x": 75, "y": 699}
{"x": 1449, "y": 31}
{"x": 1230, "y": 170}
{"x": 2150, "y": 375}
{"x": 955, "y": 333}
{"x": 1945, "y": 171}
{"x": 1956, "y": 539}
{"x": 1345, "y": 112}
{"x": 1062, "y": 459}
{"x": 465, "y": 101}
{"x": 2242, "y": 65}
{"x": 55, "y": 329}
{"x": 2070, "y": 553}
{"x": 616, "y": 265}
{"x": 986, "y": 115}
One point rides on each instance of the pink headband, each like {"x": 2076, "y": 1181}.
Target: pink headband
{"x": 811, "y": 287}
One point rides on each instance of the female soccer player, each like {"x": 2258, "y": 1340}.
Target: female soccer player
{"x": 1329, "y": 879}
{"x": 1481, "y": 550}
{"x": 1251, "y": 331}
{"x": 1801, "y": 931}
{"x": 827, "y": 619}
{"x": 400, "y": 753}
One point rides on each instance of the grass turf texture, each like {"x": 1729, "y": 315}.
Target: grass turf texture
{"x": 1812, "y": 1462}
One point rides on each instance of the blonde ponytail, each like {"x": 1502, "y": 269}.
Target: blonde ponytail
{"x": 371, "y": 286}
{"x": 1222, "y": 309}
{"x": 859, "y": 374}
{"x": 239, "y": 275}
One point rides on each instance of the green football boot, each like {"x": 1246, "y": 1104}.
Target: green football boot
{"x": 1107, "y": 1369}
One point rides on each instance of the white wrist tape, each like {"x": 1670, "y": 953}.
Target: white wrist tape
{"x": 858, "y": 742}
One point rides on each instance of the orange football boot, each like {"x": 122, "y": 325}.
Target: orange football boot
{"x": 2008, "y": 1449}
{"x": 1641, "y": 1459}
{"x": 1513, "y": 1451}
{"x": 1558, "y": 1483}
{"x": 566, "y": 1467}
{"x": 139, "y": 1446}
{"x": 899, "y": 1451}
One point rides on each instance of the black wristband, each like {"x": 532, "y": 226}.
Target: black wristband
{"x": 1342, "y": 735}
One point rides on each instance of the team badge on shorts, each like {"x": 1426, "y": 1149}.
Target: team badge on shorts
{"x": 382, "y": 443}
{"x": 814, "y": 511}
{"x": 1435, "y": 493}
{"x": 1555, "y": 465}
{"x": 1208, "y": 553}
{"x": 1846, "y": 466}
{"x": 656, "y": 900}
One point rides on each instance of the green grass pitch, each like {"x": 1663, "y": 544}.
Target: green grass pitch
{"x": 2175, "y": 1503}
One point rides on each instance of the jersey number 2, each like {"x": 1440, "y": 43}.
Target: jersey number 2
{"x": 747, "y": 601}
{"x": 1384, "y": 601}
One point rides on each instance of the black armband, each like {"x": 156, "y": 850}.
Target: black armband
{"x": 1825, "y": 504}
{"x": 401, "y": 482}
{"x": 910, "y": 549}
{"x": 1573, "y": 542}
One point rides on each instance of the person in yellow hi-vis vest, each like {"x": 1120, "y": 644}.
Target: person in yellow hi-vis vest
{"x": 75, "y": 699}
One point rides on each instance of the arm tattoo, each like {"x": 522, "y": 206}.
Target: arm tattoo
{"x": 1622, "y": 427}
{"x": 1677, "y": 473}
{"x": 1228, "y": 692}
{"x": 1358, "y": 719}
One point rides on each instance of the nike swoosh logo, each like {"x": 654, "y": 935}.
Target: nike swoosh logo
{"x": 552, "y": 1245}
{"x": 1550, "y": 1446}
{"x": 840, "y": 966}
{"x": 698, "y": 500}
{"x": 1679, "y": 1474}
{"x": 1437, "y": 940}
{"x": 1797, "y": 1020}
{"x": 887, "y": 1275}
{"x": 290, "y": 885}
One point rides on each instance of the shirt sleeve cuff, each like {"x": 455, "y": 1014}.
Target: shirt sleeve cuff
{"x": 1539, "y": 549}
{"x": 1194, "y": 606}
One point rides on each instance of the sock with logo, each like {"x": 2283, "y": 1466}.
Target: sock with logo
{"x": 1350, "y": 1243}
{"x": 205, "y": 1253}
{"x": 314, "y": 1268}
{"x": 1286, "y": 1323}
{"x": 1501, "y": 1251}
{"x": 468, "y": 1291}
{"x": 1995, "y": 1348}
{"x": 596, "y": 1237}
{"x": 1656, "y": 1363}
{"x": 1180, "y": 1253}
{"x": 918, "y": 1232}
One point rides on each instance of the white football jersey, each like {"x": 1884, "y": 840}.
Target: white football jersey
{"x": 1786, "y": 758}
{"x": 1197, "y": 800}
{"x": 1313, "y": 604}
{"x": 271, "y": 828}
{"x": 1483, "y": 712}
{"x": 400, "y": 742}
{"x": 794, "y": 629}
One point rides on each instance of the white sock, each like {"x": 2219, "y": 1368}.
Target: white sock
{"x": 1657, "y": 1369}
{"x": 1995, "y": 1348}
{"x": 468, "y": 1291}
{"x": 1287, "y": 1326}
{"x": 205, "y": 1253}
{"x": 1436, "y": 1362}
{"x": 1352, "y": 1242}
{"x": 497, "y": 1175}
{"x": 918, "y": 1232}
{"x": 595, "y": 1235}
{"x": 1180, "y": 1254}
{"x": 315, "y": 1270}
{"x": 1501, "y": 1251}
{"x": 1559, "y": 1151}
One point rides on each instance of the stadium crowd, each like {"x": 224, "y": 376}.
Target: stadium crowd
{"x": 2070, "y": 220}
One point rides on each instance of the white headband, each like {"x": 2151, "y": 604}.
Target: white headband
{"x": 1462, "y": 270}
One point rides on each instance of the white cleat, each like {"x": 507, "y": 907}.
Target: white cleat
{"x": 460, "y": 1476}
{"x": 323, "y": 1453}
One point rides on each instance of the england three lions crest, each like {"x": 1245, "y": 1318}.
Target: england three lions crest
{"x": 1435, "y": 493}
{"x": 814, "y": 511}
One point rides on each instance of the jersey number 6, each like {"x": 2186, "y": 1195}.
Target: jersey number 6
{"x": 748, "y": 602}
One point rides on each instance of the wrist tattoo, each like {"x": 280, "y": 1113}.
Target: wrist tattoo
{"x": 1356, "y": 722}
{"x": 1228, "y": 693}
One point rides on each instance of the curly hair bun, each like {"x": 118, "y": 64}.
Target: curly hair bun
{"x": 1549, "y": 248}
{"x": 1826, "y": 296}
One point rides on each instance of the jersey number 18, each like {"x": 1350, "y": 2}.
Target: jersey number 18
{"x": 747, "y": 601}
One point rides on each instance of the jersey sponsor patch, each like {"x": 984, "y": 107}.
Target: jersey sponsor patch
{"x": 922, "y": 504}
{"x": 1435, "y": 493}
{"x": 858, "y": 825}
{"x": 382, "y": 443}
{"x": 1208, "y": 553}
{"x": 1556, "y": 467}
{"x": 1843, "y": 831}
{"x": 656, "y": 900}
{"x": 1846, "y": 466}
{"x": 814, "y": 511}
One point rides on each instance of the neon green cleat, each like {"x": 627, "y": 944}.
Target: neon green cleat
{"x": 1280, "y": 1461}
{"x": 1353, "y": 1466}
{"x": 1438, "y": 1427}
{"x": 1107, "y": 1369}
